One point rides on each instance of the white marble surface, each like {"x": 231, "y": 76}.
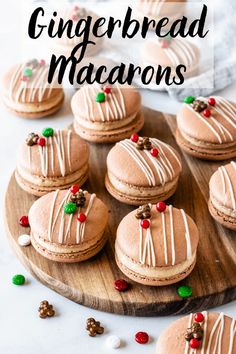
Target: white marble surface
{"x": 22, "y": 331}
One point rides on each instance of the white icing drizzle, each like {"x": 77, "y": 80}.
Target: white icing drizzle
{"x": 153, "y": 7}
{"x": 206, "y": 122}
{"x": 147, "y": 253}
{"x": 187, "y": 348}
{"x": 220, "y": 324}
{"x": 162, "y": 165}
{"x": 226, "y": 181}
{"x": 32, "y": 89}
{"x": 172, "y": 235}
{"x": 80, "y": 229}
{"x": 232, "y": 335}
{"x": 51, "y": 215}
{"x": 113, "y": 108}
{"x": 164, "y": 237}
{"x": 187, "y": 235}
{"x": 62, "y": 156}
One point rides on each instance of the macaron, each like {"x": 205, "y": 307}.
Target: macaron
{"x": 156, "y": 245}
{"x": 206, "y": 332}
{"x": 157, "y": 9}
{"x": 27, "y": 93}
{"x": 68, "y": 225}
{"x": 142, "y": 170}
{"x": 171, "y": 52}
{"x": 206, "y": 127}
{"x": 222, "y": 202}
{"x": 51, "y": 160}
{"x": 65, "y": 44}
{"x": 107, "y": 114}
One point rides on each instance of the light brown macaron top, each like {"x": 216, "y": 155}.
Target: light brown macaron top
{"x": 218, "y": 129}
{"x": 63, "y": 154}
{"x": 160, "y": 7}
{"x": 139, "y": 168}
{"x": 223, "y": 188}
{"x": 26, "y": 86}
{"x": 121, "y": 103}
{"x": 50, "y": 223}
{"x": 171, "y": 53}
{"x": 218, "y": 335}
{"x": 172, "y": 238}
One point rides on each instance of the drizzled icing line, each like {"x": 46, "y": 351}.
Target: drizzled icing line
{"x": 63, "y": 153}
{"x": 179, "y": 51}
{"x": 226, "y": 182}
{"x": 112, "y": 109}
{"x": 147, "y": 253}
{"x": 63, "y": 235}
{"x": 32, "y": 89}
{"x": 151, "y": 6}
{"x": 161, "y": 165}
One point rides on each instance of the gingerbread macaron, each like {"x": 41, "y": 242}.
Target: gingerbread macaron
{"x": 51, "y": 160}
{"x": 207, "y": 127}
{"x": 142, "y": 170}
{"x": 199, "y": 333}
{"x": 27, "y": 93}
{"x": 65, "y": 44}
{"x": 171, "y": 52}
{"x": 107, "y": 114}
{"x": 222, "y": 202}
{"x": 68, "y": 225}
{"x": 156, "y": 245}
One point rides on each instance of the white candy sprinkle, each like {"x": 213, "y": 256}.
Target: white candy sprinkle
{"x": 113, "y": 342}
{"x": 24, "y": 240}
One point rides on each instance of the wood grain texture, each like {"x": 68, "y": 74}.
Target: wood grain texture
{"x": 91, "y": 283}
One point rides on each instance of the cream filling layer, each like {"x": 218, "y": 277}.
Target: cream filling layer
{"x": 41, "y": 181}
{"x": 69, "y": 248}
{"x": 153, "y": 272}
{"x": 136, "y": 191}
{"x": 104, "y": 126}
{"x": 33, "y": 107}
{"x": 205, "y": 144}
{"x": 222, "y": 208}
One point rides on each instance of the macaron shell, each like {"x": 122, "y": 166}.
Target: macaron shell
{"x": 196, "y": 126}
{"x": 123, "y": 102}
{"x": 125, "y": 168}
{"x": 174, "y": 336}
{"x": 47, "y": 214}
{"x": 69, "y": 144}
{"x": 128, "y": 236}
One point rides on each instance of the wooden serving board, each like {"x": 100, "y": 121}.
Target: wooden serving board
{"x": 91, "y": 283}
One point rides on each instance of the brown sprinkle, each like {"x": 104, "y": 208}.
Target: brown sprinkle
{"x": 32, "y": 139}
{"x": 94, "y": 327}
{"x": 45, "y": 309}
{"x": 199, "y": 106}
{"x": 78, "y": 198}
{"x": 143, "y": 212}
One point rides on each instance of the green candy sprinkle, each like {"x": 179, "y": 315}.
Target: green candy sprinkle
{"x": 185, "y": 291}
{"x": 47, "y": 132}
{"x": 18, "y": 279}
{"x": 27, "y": 72}
{"x": 70, "y": 208}
{"x": 100, "y": 97}
{"x": 189, "y": 99}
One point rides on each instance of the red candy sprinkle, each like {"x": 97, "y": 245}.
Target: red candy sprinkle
{"x": 82, "y": 217}
{"x": 24, "y": 78}
{"x": 164, "y": 44}
{"x": 161, "y": 207}
{"x": 41, "y": 142}
{"x": 145, "y": 224}
{"x": 42, "y": 62}
{"x": 198, "y": 317}
{"x": 74, "y": 189}
{"x": 74, "y": 18}
{"x": 194, "y": 343}
{"x": 134, "y": 138}
{"x": 141, "y": 337}
{"x": 121, "y": 285}
{"x": 24, "y": 221}
{"x": 207, "y": 113}
{"x": 107, "y": 89}
{"x": 211, "y": 101}
{"x": 154, "y": 152}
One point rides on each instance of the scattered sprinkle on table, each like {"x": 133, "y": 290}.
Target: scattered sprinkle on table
{"x": 24, "y": 221}
{"x": 142, "y": 337}
{"x": 45, "y": 309}
{"x": 113, "y": 342}
{"x": 185, "y": 291}
{"x": 94, "y": 327}
{"x": 18, "y": 279}
{"x": 24, "y": 240}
